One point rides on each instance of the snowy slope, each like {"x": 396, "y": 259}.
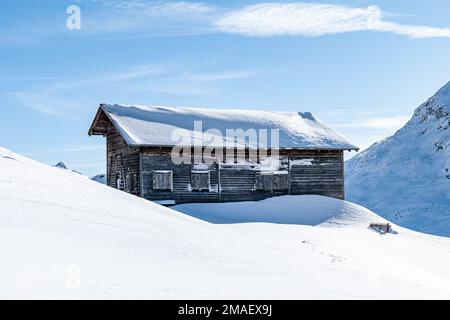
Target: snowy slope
{"x": 65, "y": 236}
{"x": 406, "y": 177}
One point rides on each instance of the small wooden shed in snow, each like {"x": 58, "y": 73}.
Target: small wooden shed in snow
{"x": 226, "y": 156}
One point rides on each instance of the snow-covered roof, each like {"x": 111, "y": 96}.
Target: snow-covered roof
{"x": 169, "y": 126}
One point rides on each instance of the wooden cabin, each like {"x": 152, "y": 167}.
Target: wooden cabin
{"x": 145, "y": 145}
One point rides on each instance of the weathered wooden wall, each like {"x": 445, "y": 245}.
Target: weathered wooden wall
{"x": 317, "y": 172}
{"x": 156, "y": 159}
{"x": 238, "y": 182}
{"x": 310, "y": 172}
{"x": 123, "y": 162}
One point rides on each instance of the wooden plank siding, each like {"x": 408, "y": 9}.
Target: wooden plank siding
{"x": 122, "y": 161}
{"x": 237, "y": 183}
{"x": 319, "y": 172}
{"x": 323, "y": 177}
{"x": 156, "y": 159}
{"x": 131, "y": 169}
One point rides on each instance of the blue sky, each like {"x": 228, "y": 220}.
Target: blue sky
{"x": 360, "y": 66}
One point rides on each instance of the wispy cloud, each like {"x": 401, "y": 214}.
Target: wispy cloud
{"x": 57, "y": 98}
{"x": 364, "y": 127}
{"x": 156, "y": 18}
{"x": 225, "y": 75}
{"x": 376, "y": 123}
{"x": 263, "y": 20}
{"x": 71, "y": 99}
{"x": 314, "y": 20}
{"x": 388, "y": 123}
{"x": 82, "y": 148}
{"x": 157, "y": 7}
{"x": 150, "y": 17}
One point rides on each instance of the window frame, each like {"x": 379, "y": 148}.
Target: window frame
{"x": 201, "y": 172}
{"x": 162, "y": 172}
{"x": 131, "y": 182}
{"x": 278, "y": 186}
{"x": 272, "y": 186}
{"x": 260, "y": 185}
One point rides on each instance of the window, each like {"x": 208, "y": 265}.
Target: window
{"x": 200, "y": 180}
{"x": 162, "y": 180}
{"x": 131, "y": 182}
{"x": 264, "y": 181}
{"x": 281, "y": 181}
{"x": 272, "y": 181}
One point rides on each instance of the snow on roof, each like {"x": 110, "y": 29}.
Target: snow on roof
{"x": 169, "y": 126}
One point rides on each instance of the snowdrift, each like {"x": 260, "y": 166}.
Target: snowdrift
{"x": 65, "y": 236}
{"x": 300, "y": 210}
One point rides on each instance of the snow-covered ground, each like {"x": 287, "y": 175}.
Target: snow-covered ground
{"x": 406, "y": 177}
{"x": 298, "y": 210}
{"x": 65, "y": 236}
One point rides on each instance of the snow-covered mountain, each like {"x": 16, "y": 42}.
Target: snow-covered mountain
{"x": 61, "y": 165}
{"x": 63, "y": 235}
{"x": 406, "y": 177}
{"x": 100, "y": 178}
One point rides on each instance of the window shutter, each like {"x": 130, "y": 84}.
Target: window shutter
{"x": 135, "y": 183}
{"x": 200, "y": 180}
{"x": 162, "y": 180}
{"x": 267, "y": 182}
{"x": 281, "y": 181}
{"x": 258, "y": 182}
{"x": 129, "y": 183}
{"x": 264, "y": 182}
